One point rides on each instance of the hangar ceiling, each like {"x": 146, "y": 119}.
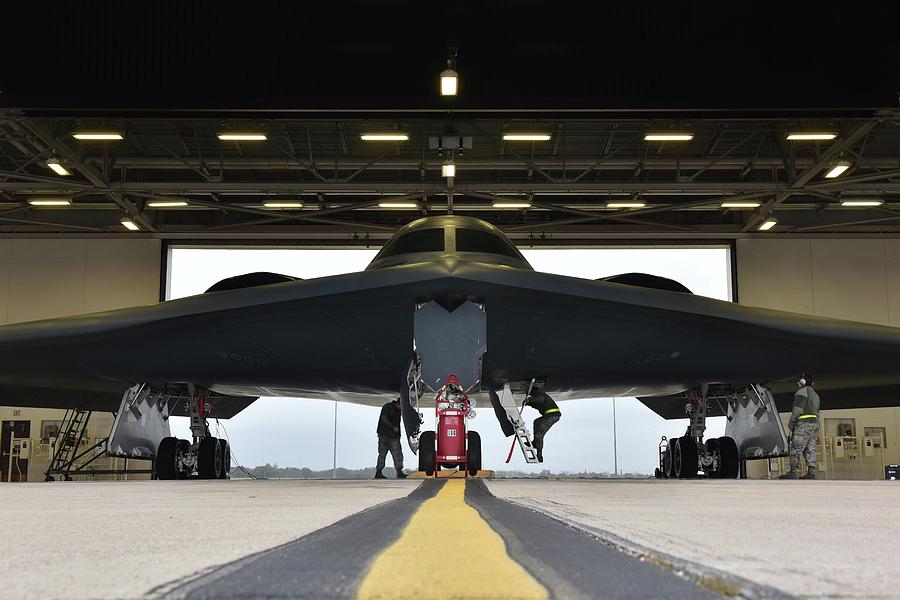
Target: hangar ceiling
{"x": 570, "y": 183}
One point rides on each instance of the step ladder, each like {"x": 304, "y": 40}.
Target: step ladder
{"x": 71, "y": 434}
{"x": 514, "y": 414}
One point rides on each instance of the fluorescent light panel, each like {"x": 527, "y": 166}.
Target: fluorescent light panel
{"x": 512, "y": 204}
{"x": 626, "y": 205}
{"x": 58, "y": 168}
{"x": 668, "y": 137}
{"x": 526, "y": 137}
{"x": 97, "y": 135}
{"x": 837, "y": 170}
{"x": 167, "y": 204}
{"x": 130, "y": 225}
{"x": 384, "y": 137}
{"x": 768, "y": 224}
{"x": 283, "y": 205}
{"x": 448, "y": 170}
{"x": 242, "y": 137}
{"x": 861, "y": 203}
{"x": 398, "y": 205}
{"x": 741, "y": 205}
{"x": 50, "y": 201}
{"x": 806, "y": 136}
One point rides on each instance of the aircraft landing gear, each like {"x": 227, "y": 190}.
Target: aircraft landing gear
{"x": 206, "y": 458}
{"x": 684, "y": 457}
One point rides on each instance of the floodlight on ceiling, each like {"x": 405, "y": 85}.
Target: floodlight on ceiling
{"x": 668, "y": 137}
{"x": 837, "y": 169}
{"x": 49, "y": 201}
{"x": 398, "y": 205}
{"x": 862, "y": 202}
{"x": 626, "y": 204}
{"x": 129, "y": 224}
{"x": 57, "y": 168}
{"x": 449, "y": 82}
{"x": 283, "y": 204}
{"x": 97, "y": 135}
{"x": 526, "y": 137}
{"x": 448, "y": 169}
{"x": 512, "y": 204}
{"x": 242, "y": 137}
{"x": 167, "y": 204}
{"x": 741, "y": 205}
{"x": 805, "y": 136}
{"x": 767, "y": 224}
{"x": 384, "y": 137}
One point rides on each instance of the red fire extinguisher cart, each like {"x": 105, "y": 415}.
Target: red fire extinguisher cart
{"x": 452, "y": 447}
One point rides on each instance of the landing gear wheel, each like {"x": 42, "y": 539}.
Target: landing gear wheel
{"x": 209, "y": 459}
{"x": 427, "y": 452}
{"x": 473, "y": 453}
{"x": 729, "y": 460}
{"x": 685, "y": 458}
{"x": 167, "y": 459}
{"x": 669, "y": 461}
{"x": 712, "y": 447}
{"x": 226, "y": 459}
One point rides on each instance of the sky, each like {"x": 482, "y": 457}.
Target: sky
{"x": 301, "y": 432}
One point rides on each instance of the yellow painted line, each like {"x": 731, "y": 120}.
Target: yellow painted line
{"x": 448, "y": 551}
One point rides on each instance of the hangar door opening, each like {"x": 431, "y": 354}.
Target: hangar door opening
{"x": 602, "y": 435}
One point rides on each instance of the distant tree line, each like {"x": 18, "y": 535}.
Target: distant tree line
{"x": 269, "y": 471}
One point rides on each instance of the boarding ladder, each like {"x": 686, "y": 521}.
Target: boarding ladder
{"x": 71, "y": 435}
{"x": 514, "y": 414}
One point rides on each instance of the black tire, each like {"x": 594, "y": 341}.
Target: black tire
{"x": 685, "y": 458}
{"x": 427, "y": 452}
{"x": 657, "y": 473}
{"x": 209, "y": 461}
{"x": 669, "y": 462}
{"x": 712, "y": 447}
{"x": 729, "y": 459}
{"x": 226, "y": 459}
{"x": 167, "y": 459}
{"x": 473, "y": 453}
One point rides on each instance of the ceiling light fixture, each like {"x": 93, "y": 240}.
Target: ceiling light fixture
{"x": 49, "y": 201}
{"x": 384, "y": 137}
{"x": 837, "y": 169}
{"x": 767, "y": 224}
{"x": 448, "y": 169}
{"x": 741, "y": 205}
{"x": 58, "y": 168}
{"x": 97, "y": 135}
{"x": 862, "y": 203}
{"x": 283, "y": 205}
{"x": 668, "y": 137}
{"x": 398, "y": 205}
{"x": 129, "y": 224}
{"x": 626, "y": 204}
{"x": 807, "y": 136}
{"x": 242, "y": 137}
{"x": 512, "y": 205}
{"x": 526, "y": 137}
{"x": 167, "y": 204}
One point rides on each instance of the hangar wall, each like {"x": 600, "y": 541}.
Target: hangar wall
{"x": 46, "y": 278}
{"x": 855, "y": 279}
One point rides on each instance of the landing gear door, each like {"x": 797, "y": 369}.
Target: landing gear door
{"x": 450, "y": 342}
{"x": 754, "y": 424}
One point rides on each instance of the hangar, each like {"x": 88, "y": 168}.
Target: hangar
{"x": 104, "y": 180}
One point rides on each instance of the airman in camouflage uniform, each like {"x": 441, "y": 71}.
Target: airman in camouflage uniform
{"x": 804, "y": 426}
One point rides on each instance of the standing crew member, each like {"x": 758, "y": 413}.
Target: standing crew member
{"x": 389, "y": 439}
{"x": 804, "y": 426}
{"x": 550, "y": 414}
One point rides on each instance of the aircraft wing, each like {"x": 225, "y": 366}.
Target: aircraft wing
{"x": 351, "y": 335}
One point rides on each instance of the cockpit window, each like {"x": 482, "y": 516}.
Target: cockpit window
{"x": 424, "y": 240}
{"x": 475, "y": 240}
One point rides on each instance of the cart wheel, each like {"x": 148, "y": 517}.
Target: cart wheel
{"x": 657, "y": 473}
{"x": 473, "y": 453}
{"x": 669, "y": 461}
{"x": 427, "y": 452}
{"x": 165, "y": 458}
{"x": 729, "y": 461}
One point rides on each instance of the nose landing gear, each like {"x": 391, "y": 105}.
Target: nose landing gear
{"x": 206, "y": 458}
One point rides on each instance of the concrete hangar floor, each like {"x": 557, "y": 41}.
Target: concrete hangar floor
{"x": 450, "y": 539}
